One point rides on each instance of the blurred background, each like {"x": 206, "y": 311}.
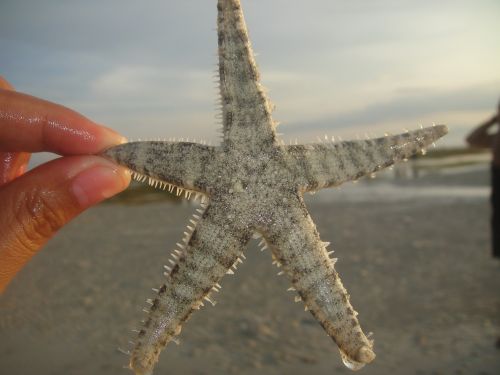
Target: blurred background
{"x": 413, "y": 244}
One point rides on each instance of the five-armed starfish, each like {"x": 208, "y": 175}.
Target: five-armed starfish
{"x": 252, "y": 184}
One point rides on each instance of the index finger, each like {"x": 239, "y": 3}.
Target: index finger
{"x": 31, "y": 124}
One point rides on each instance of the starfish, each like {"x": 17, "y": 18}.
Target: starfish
{"x": 253, "y": 185}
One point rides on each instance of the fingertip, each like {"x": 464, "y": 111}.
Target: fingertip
{"x": 110, "y": 137}
{"x": 100, "y": 181}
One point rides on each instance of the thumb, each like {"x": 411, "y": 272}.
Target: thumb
{"x": 35, "y": 205}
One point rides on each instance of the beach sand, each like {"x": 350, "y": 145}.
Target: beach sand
{"x": 414, "y": 257}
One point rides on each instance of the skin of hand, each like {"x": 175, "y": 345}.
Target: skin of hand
{"x": 34, "y": 205}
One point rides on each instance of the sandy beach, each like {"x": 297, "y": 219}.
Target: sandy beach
{"x": 413, "y": 254}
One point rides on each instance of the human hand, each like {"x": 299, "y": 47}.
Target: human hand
{"x": 34, "y": 205}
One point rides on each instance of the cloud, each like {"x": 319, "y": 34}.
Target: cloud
{"x": 460, "y": 109}
{"x": 116, "y": 30}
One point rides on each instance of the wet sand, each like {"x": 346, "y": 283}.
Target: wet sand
{"x": 417, "y": 266}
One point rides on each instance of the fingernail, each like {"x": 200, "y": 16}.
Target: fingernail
{"x": 99, "y": 182}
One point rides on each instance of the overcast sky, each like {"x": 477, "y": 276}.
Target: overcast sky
{"x": 336, "y": 67}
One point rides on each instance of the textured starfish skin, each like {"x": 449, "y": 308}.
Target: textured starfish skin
{"x": 253, "y": 185}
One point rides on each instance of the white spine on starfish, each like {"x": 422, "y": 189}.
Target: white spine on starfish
{"x": 177, "y": 190}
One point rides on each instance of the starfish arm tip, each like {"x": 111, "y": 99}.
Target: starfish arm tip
{"x": 365, "y": 355}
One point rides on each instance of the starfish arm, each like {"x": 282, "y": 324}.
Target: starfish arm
{"x": 296, "y": 245}
{"x": 246, "y": 111}
{"x": 331, "y": 164}
{"x": 215, "y": 244}
{"x": 182, "y": 164}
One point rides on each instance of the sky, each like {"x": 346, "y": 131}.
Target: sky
{"x": 336, "y": 67}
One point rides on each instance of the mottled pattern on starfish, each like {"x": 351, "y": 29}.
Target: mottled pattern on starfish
{"x": 252, "y": 185}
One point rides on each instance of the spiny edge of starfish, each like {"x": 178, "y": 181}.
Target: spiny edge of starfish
{"x": 166, "y": 186}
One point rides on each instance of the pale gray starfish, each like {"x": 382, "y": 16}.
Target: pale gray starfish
{"x": 253, "y": 184}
